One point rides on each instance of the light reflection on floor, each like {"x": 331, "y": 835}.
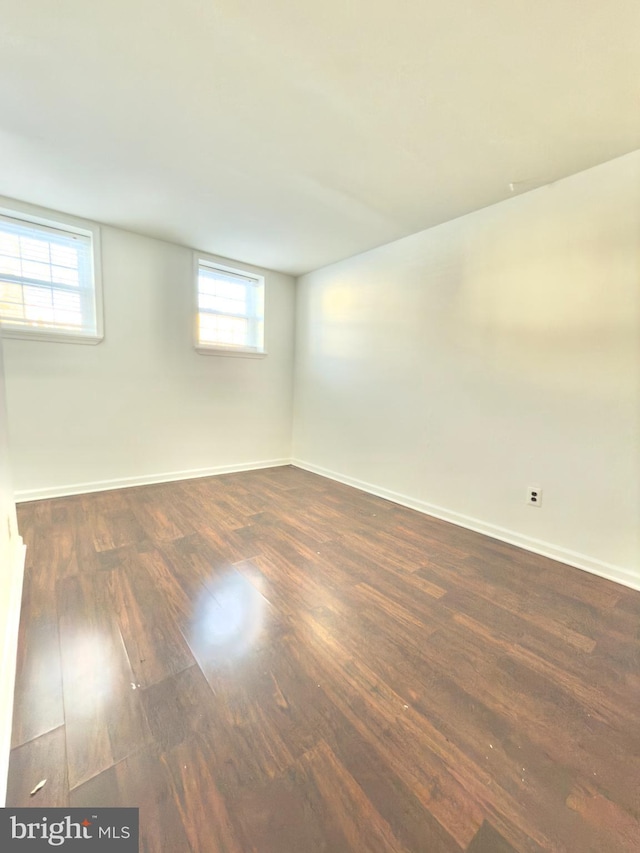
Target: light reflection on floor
{"x": 90, "y": 672}
{"x": 228, "y": 620}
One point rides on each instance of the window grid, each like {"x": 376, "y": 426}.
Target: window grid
{"x": 46, "y": 279}
{"x": 230, "y": 310}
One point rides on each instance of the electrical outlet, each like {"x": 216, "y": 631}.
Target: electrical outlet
{"x": 534, "y": 495}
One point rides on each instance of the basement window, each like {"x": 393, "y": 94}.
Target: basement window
{"x": 48, "y": 287}
{"x": 230, "y": 316}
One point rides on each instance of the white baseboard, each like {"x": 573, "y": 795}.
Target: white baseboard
{"x": 143, "y": 480}
{"x": 8, "y": 663}
{"x": 537, "y": 546}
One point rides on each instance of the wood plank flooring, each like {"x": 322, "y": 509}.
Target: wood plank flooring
{"x": 274, "y": 662}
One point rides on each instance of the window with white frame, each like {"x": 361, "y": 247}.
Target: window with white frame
{"x": 230, "y": 315}
{"x": 48, "y": 286}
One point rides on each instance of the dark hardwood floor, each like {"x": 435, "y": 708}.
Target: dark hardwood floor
{"x": 274, "y": 662}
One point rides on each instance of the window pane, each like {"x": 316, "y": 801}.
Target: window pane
{"x": 208, "y": 283}
{"x": 58, "y": 259}
{"x": 9, "y": 265}
{"x": 34, "y": 250}
{"x": 38, "y": 305}
{"x": 10, "y": 292}
{"x": 31, "y": 269}
{"x": 229, "y": 331}
{"x": 222, "y": 305}
{"x": 38, "y": 316}
{"x": 64, "y": 275}
{"x": 37, "y": 296}
{"x": 69, "y": 319}
{"x": 65, "y": 301}
{"x": 231, "y": 290}
{"x": 11, "y": 311}
{"x": 64, "y": 256}
{"x": 230, "y": 308}
{"x": 11, "y": 301}
{"x": 9, "y": 244}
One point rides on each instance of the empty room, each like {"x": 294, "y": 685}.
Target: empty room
{"x": 320, "y": 426}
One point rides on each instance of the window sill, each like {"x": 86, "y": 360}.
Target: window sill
{"x": 49, "y": 336}
{"x": 234, "y": 353}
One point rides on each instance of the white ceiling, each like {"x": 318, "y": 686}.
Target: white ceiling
{"x": 290, "y": 133}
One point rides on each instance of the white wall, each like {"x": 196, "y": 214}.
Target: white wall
{"x": 11, "y": 570}
{"x": 142, "y": 404}
{"x": 458, "y": 366}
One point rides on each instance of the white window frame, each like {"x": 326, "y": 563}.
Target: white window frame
{"x": 200, "y": 258}
{"x": 51, "y": 219}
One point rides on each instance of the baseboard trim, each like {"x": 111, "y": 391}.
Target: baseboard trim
{"x": 537, "y": 546}
{"x": 8, "y": 663}
{"x": 143, "y": 480}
